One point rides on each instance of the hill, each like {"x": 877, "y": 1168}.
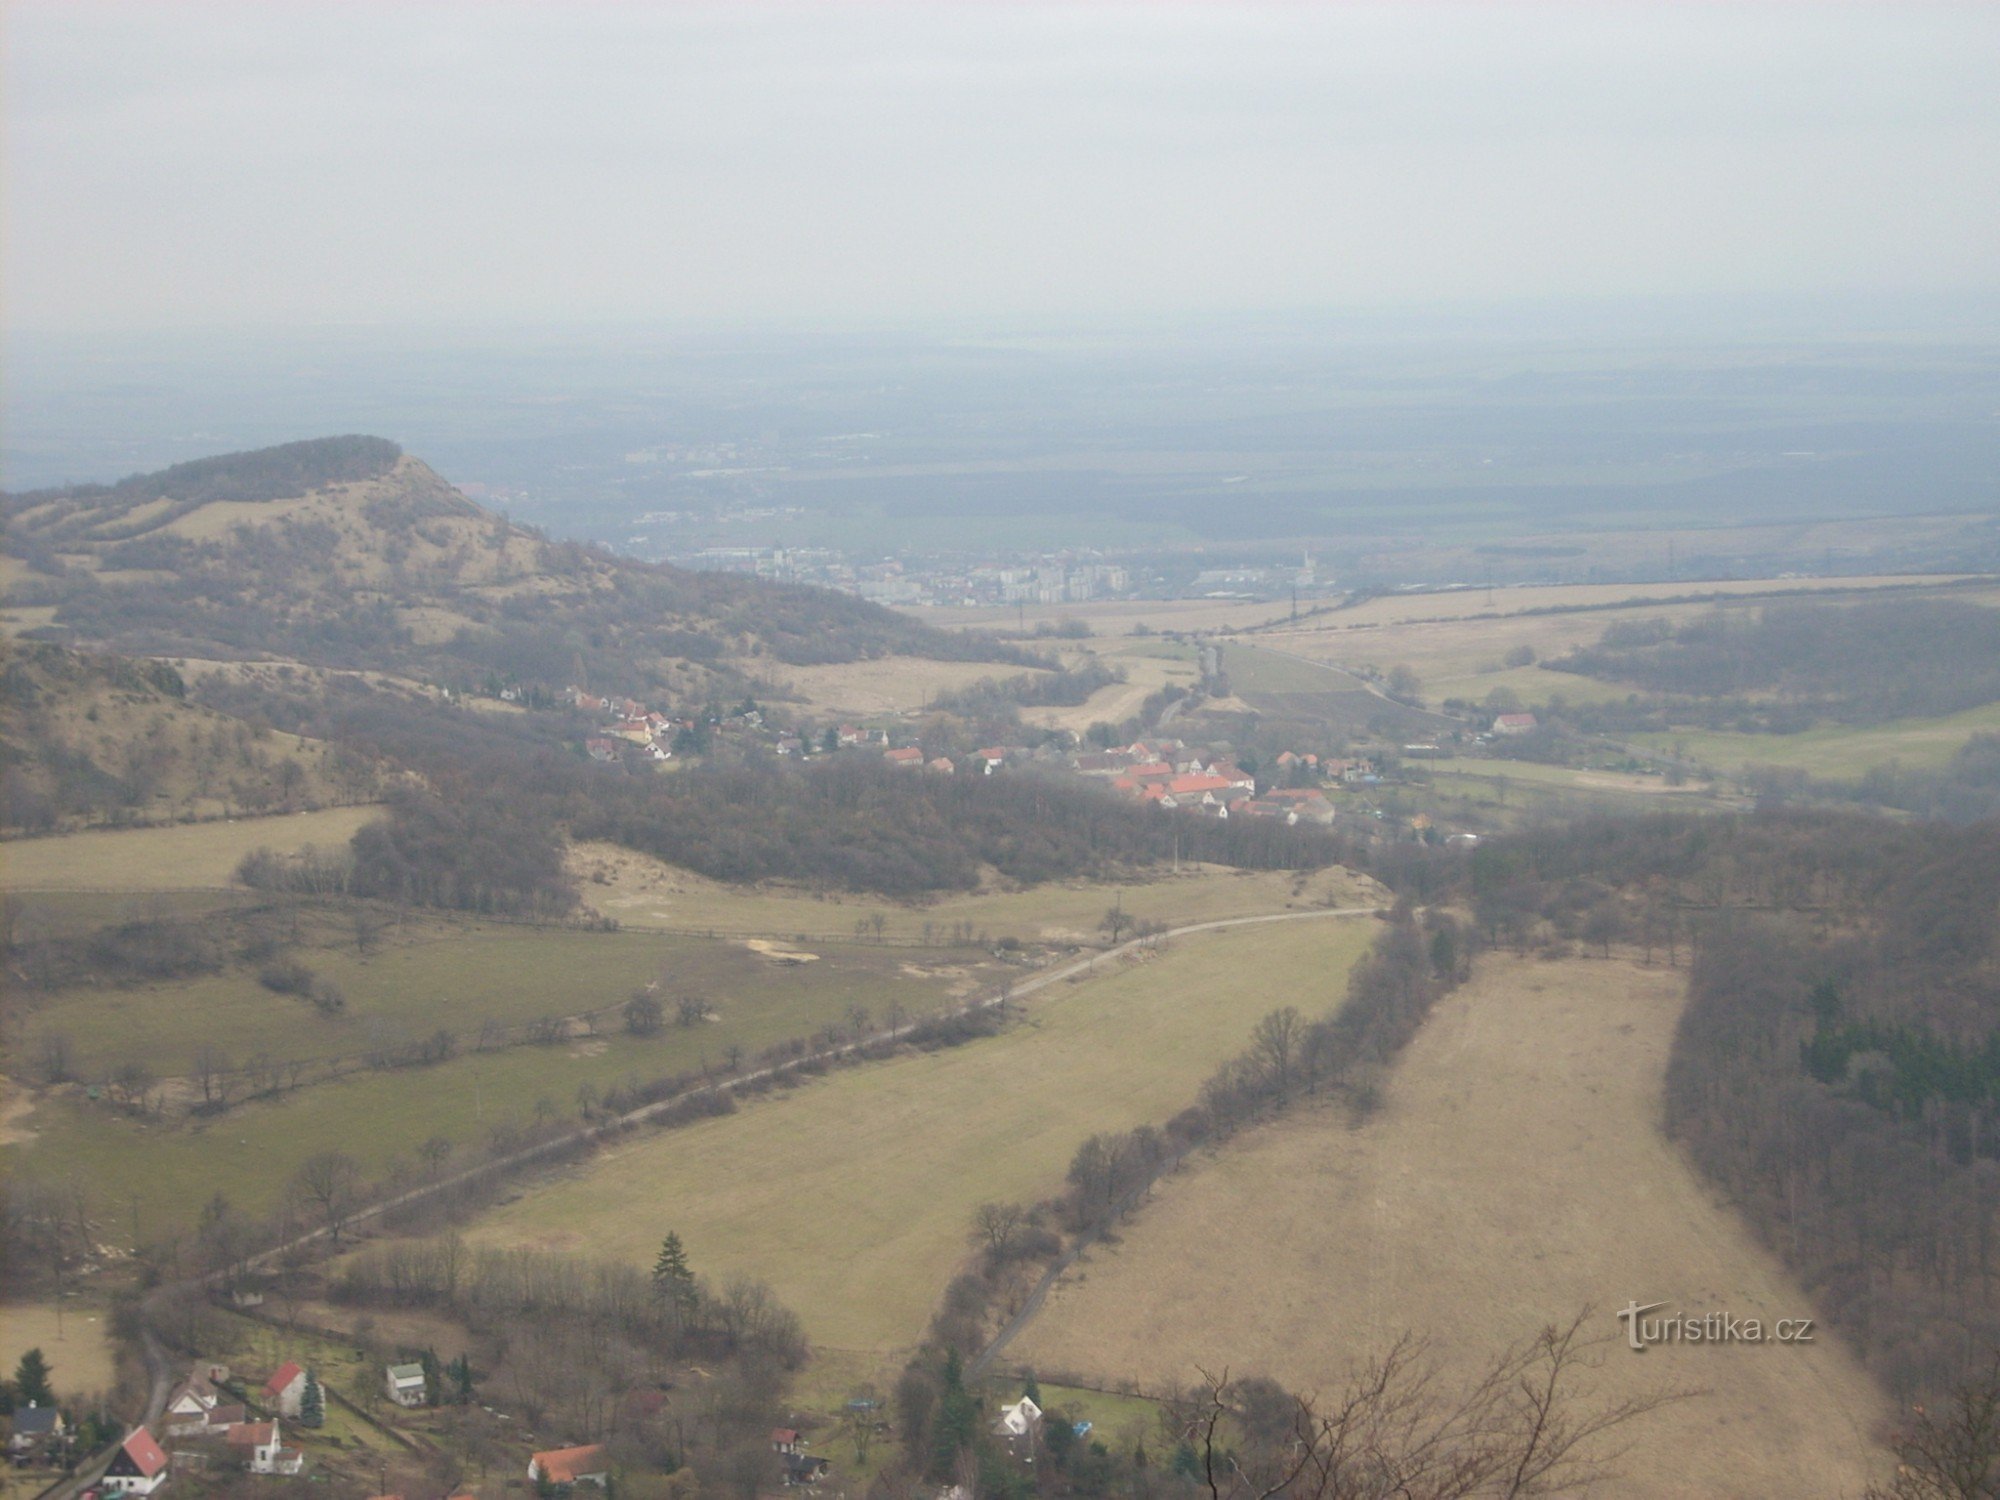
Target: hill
{"x": 98, "y": 738}
{"x": 349, "y": 553}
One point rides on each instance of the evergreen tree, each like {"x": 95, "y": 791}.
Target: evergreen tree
{"x": 957, "y": 1426}
{"x": 433, "y": 1378}
{"x": 460, "y": 1371}
{"x": 1031, "y": 1390}
{"x": 673, "y": 1281}
{"x": 312, "y": 1403}
{"x": 31, "y": 1381}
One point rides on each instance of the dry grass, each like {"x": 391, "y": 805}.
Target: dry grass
{"x": 1516, "y": 1173}
{"x": 853, "y": 1196}
{"x": 179, "y": 857}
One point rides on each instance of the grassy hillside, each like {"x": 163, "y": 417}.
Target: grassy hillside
{"x": 93, "y": 738}
{"x": 347, "y": 552}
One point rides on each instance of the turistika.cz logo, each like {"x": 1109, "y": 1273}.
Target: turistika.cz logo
{"x": 1643, "y": 1332}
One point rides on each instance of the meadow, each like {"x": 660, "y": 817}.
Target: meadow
{"x": 1834, "y": 751}
{"x": 151, "y": 1174}
{"x": 645, "y": 893}
{"x": 181, "y": 856}
{"x": 853, "y": 1195}
{"x": 1515, "y": 1174}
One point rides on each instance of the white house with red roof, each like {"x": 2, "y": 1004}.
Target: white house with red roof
{"x": 1515, "y": 724}
{"x": 910, "y": 758}
{"x": 138, "y": 1467}
{"x": 285, "y": 1391}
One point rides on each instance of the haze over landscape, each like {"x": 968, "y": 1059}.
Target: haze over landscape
{"x": 962, "y": 752}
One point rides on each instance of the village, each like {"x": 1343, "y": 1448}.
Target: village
{"x": 220, "y": 1429}
{"x": 1297, "y": 786}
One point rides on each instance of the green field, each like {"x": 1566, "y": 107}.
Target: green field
{"x": 852, "y": 1196}
{"x": 642, "y": 892}
{"x": 183, "y": 856}
{"x": 153, "y": 1174}
{"x": 460, "y": 976}
{"x": 1834, "y": 752}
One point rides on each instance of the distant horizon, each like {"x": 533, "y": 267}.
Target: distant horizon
{"x": 204, "y": 166}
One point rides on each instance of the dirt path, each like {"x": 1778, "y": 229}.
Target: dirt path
{"x": 1515, "y": 1174}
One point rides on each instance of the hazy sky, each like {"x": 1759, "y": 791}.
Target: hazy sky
{"x": 284, "y": 163}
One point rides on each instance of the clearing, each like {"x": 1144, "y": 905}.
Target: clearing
{"x": 853, "y": 1196}
{"x": 1515, "y": 1174}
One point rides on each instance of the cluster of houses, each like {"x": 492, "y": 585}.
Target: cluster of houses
{"x": 627, "y": 722}
{"x": 203, "y": 1426}
{"x": 1171, "y": 774}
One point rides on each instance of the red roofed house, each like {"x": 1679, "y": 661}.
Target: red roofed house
{"x": 785, "y": 1440}
{"x": 911, "y": 757}
{"x": 584, "y": 1465}
{"x": 1202, "y": 788}
{"x": 1514, "y": 724}
{"x": 285, "y": 1391}
{"x": 138, "y": 1467}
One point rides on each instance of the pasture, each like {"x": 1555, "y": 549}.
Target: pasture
{"x": 181, "y": 856}
{"x": 853, "y": 1195}
{"x": 1515, "y": 1175}
{"x": 645, "y": 893}
{"x": 465, "y": 976}
{"x": 156, "y": 1171}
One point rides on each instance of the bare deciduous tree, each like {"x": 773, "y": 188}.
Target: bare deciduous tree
{"x": 1522, "y": 1426}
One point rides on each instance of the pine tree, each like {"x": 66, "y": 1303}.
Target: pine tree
{"x": 312, "y": 1403}
{"x": 433, "y": 1378}
{"x": 31, "y": 1381}
{"x": 460, "y": 1371}
{"x": 1031, "y": 1390}
{"x": 673, "y": 1281}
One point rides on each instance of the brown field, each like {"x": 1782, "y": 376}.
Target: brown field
{"x": 79, "y": 1356}
{"x": 178, "y": 857}
{"x": 1515, "y": 1174}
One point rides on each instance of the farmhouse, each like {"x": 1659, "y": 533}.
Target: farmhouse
{"x": 582, "y": 1465}
{"x": 405, "y": 1384}
{"x": 785, "y": 1440}
{"x": 1515, "y": 724}
{"x": 911, "y": 758}
{"x": 138, "y": 1467}
{"x": 285, "y": 1391}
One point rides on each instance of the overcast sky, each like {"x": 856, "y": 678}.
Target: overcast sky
{"x": 297, "y": 163}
